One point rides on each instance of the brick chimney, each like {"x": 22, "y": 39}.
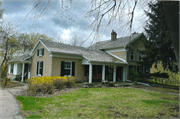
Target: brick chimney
{"x": 113, "y": 35}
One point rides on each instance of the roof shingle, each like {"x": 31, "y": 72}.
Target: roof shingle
{"x": 89, "y": 54}
{"x": 119, "y": 42}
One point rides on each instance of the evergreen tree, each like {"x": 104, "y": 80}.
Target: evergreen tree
{"x": 159, "y": 45}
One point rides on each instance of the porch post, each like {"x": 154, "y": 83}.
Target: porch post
{"x": 29, "y": 71}
{"x": 103, "y": 73}
{"x": 22, "y": 78}
{"x": 124, "y": 70}
{"x": 90, "y": 73}
{"x": 114, "y": 74}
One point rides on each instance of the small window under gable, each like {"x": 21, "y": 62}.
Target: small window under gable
{"x": 132, "y": 54}
{"x": 40, "y": 52}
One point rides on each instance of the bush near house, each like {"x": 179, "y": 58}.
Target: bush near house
{"x": 47, "y": 84}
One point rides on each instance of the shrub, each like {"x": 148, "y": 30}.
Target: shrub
{"x": 70, "y": 83}
{"x": 41, "y": 84}
{"x": 59, "y": 83}
{"x": 4, "y": 82}
{"x": 47, "y": 84}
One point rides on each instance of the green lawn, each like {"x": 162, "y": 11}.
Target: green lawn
{"x": 102, "y": 103}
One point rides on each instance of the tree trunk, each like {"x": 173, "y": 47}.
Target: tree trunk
{"x": 171, "y": 10}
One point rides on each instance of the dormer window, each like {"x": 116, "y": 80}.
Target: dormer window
{"x": 132, "y": 54}
{"x": 40, "y": 52}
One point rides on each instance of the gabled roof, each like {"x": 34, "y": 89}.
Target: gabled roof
{"x": 89, "y": 54}
{"x": 119, "y": 42}
{"x": 93, "y": 53}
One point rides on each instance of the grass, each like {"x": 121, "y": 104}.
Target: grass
{"x": 102, "y": 103}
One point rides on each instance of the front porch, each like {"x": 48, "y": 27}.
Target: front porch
{"x": 19, "y": 71}
{"x": 105, "y": 72}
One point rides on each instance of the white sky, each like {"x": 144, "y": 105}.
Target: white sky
{"x": 15, "y": 11}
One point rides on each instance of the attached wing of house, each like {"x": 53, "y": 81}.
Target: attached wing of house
{"x": 106, "y": 60}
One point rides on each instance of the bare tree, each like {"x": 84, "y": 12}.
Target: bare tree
{"x": 8, "y": 41}
{"x": 110, "y": 12}
{"x": 8, "y": 44}
{"x": 76, "y": 40}
{"x": 31, "y": 38}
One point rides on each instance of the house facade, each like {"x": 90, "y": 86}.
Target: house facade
{"x": 110, "y": 60}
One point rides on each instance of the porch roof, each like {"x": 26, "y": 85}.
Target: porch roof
{"x": 21, "y": 58}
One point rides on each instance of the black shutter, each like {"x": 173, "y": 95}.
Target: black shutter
{"x": 42, "y": 51}
{"x": 38, "y": 52}
{"x": 41, "y": 68}
{"x": 73, "y": 68}
{"x": 37, "y": 67}
{"x": 62, "y": 68}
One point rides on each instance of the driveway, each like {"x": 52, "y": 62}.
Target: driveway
{"x": 9, "y": 107}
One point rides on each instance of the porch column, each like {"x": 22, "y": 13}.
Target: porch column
{"x": 114, "y": 74}
{"x": 29, "y": 72}
{"x": 124, "y": 73}
{"x": 22, "y": 78}
{"x": 103, "y": 73}
{"x": 90, "y": 73}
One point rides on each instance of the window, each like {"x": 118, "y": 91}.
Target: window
{"x": 140, "y": 56}
{"x": 40, "y": 52}
{"x": 40, "y": 68}
{"x": 12, "y": 67}
{"x": 132, "y": 54}
{"x": 67, "y": 68}
{"x": 140, "y": 69}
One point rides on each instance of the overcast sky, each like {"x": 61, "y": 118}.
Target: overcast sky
{"x": 16, "y": 11}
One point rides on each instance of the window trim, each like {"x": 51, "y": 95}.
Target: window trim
{"x": 132, "y": 54}
{"x": 39, "y": 62}
{"x": 40, "y": 52}
{"x": 68, "y": 68}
